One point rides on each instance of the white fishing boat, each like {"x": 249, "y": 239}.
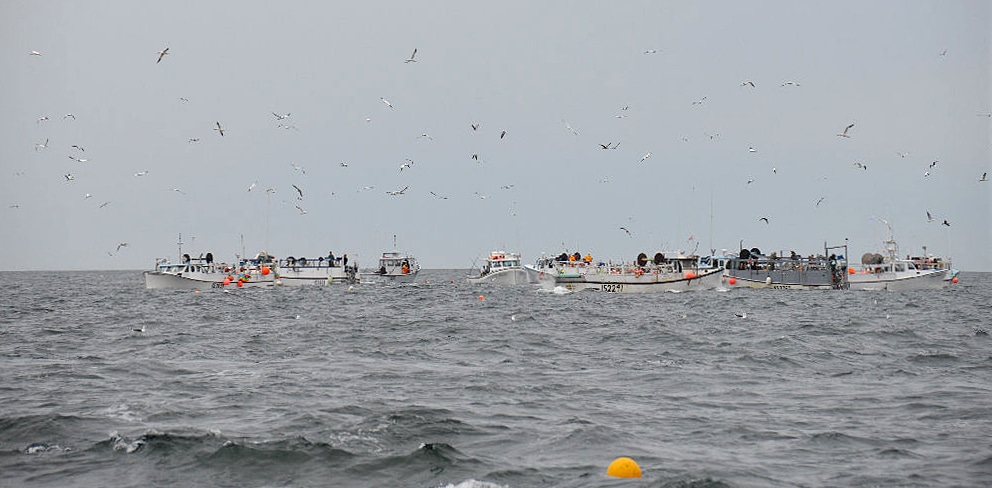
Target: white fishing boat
{"x": 199, "y": 273}
{"x": 661, "y": 274}
{"x": 502, "y": 268}
{"x": 394, "y": 267}
{"x": 316, "y": 272}
{"x": 889, "y": 272}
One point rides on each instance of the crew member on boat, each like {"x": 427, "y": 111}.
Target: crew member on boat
{"x": 330, "y": 259}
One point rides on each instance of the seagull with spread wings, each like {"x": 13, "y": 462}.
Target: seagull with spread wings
{"x": 844, "y": 134}
{"x": 161, "y": 54}
{"x": 412, "y": 58}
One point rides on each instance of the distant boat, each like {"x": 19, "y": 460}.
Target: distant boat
{"x": 394, "y": 266}
{"x": 315, "y": 272}
{"x": 503, "y": 268}
{"x": 644, "y": 275}
{"x": 751, "y": 268}
{"x": 889, "y": 272}
{"x": 202, "y": 272}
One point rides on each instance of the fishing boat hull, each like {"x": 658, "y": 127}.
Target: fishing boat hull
{"x": 316, "y": 275}
{"x": 901, "y": 281}
{"x": 159, "y": 280}
{"x": 817, "y": 279}
{"x": 507, "y": 276}
{"x": 601, "y": 279}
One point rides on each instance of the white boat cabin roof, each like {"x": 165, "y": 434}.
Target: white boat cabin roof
{"x": 503, "y": 259}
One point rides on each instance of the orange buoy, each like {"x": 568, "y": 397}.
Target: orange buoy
{"x": 732, "y": 281}
{"x": 954, "y": 279}
{"x": 850, "y": 270}
{"x": 624, "y": 467}
{"x": 265, "y": 270}
{"x": 689, "y": 275}
{"x": 481, "y": 297}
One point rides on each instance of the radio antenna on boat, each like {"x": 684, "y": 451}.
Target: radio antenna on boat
{"x": 180, "y": 244}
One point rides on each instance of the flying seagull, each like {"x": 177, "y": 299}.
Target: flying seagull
{"x": 985, "y": 177}
{"x": 252, "y": 185}
{"x": 301, "y": 209}
{"x": 439, "y": 196}
{"x": 78, "y": 147}
{"x": 752, "y": 149}
{"x": 764, "y": 218}
{"x": 161, "y": 54}
{"x": 929, "y": 217}
{"x": 397, "y": 192}
{"x": 177, "y": 190}
{"x": 219, "y": 129}
{"x": 68, "y": 177}
{"x": 818, "y": 202}
{"x": 844, "y": 134}
{"x": 627, "y": 231}
{"x": 66, "y": 116}
{"x": 386, "y": 102}
{"x": 859, "y": 165}
{"x": 39, "y": 147}
{"x": 475, "y": 126}
{"x": 407, "y": 164}
{"x": 502, "y": 134}
{"x": 141, "y": 173}
{"x": 281, "y": 116}
{"x": 748, "y": 83}
{"x": 946, "y": 223}
{"x": 648, "y": 155}
{"x": 428, "y": 136}
{"x": 34, "y": 53}
{"x": 790, "y": 83}
{"x": 119, "y": 246}
{"x": 298, "y": 190}
{"x": 569, "y": 127}
{"x": 413, "y": 57}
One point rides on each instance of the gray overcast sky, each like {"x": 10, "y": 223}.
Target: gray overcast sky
{"x": 913, "y": 78}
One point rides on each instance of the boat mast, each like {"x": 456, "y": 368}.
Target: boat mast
{"x": 180, "y": 244}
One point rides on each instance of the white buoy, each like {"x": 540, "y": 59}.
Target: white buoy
{"x": 768, "y": 281}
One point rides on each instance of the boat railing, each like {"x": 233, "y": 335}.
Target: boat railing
{"x": 297, "y": 263}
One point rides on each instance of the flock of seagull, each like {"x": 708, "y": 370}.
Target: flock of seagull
{"x": 78, "y": 151}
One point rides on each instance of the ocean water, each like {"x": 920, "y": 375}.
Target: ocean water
{"x": 427, "y": 385}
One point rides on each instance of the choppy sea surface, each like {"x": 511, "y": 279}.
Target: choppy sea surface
{"x": 105, "y": 383}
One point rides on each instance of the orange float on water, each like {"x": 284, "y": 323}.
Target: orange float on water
{"x": 954, "y": 279}
{"x": 732, "y": 281}
{"x": 481, "y": 297}
{"x": 689, "y": 275}
{"x": 624, "y": 467}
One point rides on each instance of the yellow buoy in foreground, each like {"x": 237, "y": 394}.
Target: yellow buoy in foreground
{"x": 624, "y": 467}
